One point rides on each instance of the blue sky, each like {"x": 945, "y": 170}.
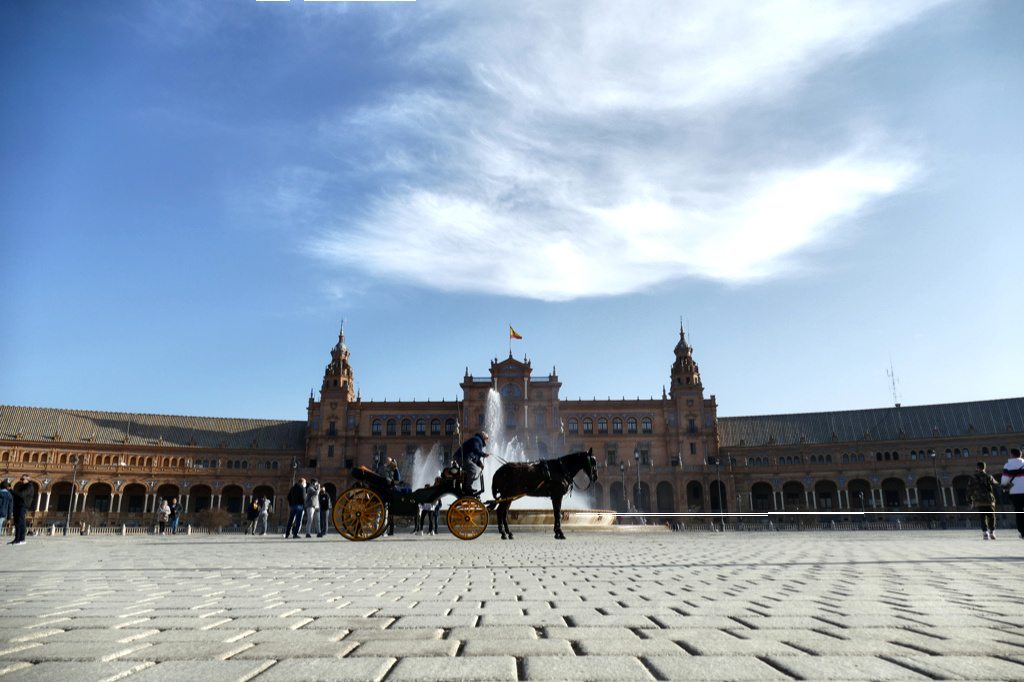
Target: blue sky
{"x": 193, "y": 195}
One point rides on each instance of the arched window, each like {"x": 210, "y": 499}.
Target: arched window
{"x": 406, "y": 427}
{"x": 967, "y": 453}
{"x": 602, "y": 425}
{"x": 895, "y": 455}
{"x": 510, "y": 419}
{"x": 449, "y": 426}
{"x": 888, "y": 456}
{"x": 574, "y": 425}
{"x": 377, "y": 426}
{"x": 647, "y": 425}
{"x": 245, "y": 464}
{"x": 956, "y": 453}
{"x": 588, "y": 425}
{"x": 828, "y": 459}
{"x": 860, "y": 457}
{"x": 392, "y": 427}
{"x": 259, "y": 466}
{"x": 949, "y": 454}
{"x": 421, "y": 427}
{"x": 231, "y": 464}
{"x": 511, "y": 391}
{"x": 435, "y": 427}
{"x": 616, "y": 425}
{"x": 274, "y": 467}
{"x": 631, "y": 425}
{"x": 984, "y": 452}
{"x": 846, "y": 457}
{"x": 814, "y": 460}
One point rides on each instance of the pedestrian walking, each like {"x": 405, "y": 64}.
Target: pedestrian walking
{"x": 252, "y": 514}
{"x": 6, "y": 504}
{"x": 313, "y": 508}
{"x": 435, "y": 513}
{"x": 262, "y": 512}
{"x": 24, "y": 496}
{"x": 423, "y": 517}
{"x": 981, "y": 491}
{"x": 1013, "y": 482}
{"x": 162, "y": 514}
{"x": 325, "y": 510}
{"x": 296, "y": 504}
{"x": 175, "y": 515}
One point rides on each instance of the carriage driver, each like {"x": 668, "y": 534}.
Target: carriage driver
{"x": 469, "y": 457}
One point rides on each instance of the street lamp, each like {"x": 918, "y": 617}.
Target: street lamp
{"x": 74, "y": 486}
{"x": 639, "y": 491}
{"x": 622, "y": 479}
{"x": 938, "y": 489}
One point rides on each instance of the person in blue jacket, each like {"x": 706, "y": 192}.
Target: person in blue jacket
{"x": 470, "y": 458}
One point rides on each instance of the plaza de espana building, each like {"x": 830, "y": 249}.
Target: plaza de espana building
{"x": 661, "y": 455}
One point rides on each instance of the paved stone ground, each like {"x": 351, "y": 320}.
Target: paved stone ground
{"x": 599, "y": 606}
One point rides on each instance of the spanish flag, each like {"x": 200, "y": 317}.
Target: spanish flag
{"x": 512, "y": 333}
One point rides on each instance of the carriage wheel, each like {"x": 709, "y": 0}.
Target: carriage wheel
{"x": 359, "y": 514}
{"x": 467, "y": 518}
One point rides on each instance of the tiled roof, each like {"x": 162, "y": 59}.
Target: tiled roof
{"x": 112, "y": 428}
{"x": 989, "y": 417}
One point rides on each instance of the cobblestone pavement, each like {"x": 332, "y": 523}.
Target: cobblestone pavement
{"x": 598, "y": 606}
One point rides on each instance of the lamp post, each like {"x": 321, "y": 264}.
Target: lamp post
{"x": 938, "y": 490}
{"x": 639, "y": 491}
{"x": 622, "y": 478}
{"x": 74, "y": 486}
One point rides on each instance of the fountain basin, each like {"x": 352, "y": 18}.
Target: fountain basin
{"x": 571, "y": 518}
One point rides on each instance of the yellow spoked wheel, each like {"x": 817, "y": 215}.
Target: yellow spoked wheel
{"x": 467, "y": 518}
{"x": 360, "y": 514}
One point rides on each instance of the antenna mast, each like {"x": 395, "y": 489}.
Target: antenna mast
{"x": 891, "y": 373}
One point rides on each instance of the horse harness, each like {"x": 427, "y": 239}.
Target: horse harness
{"x": 550, "y": 477}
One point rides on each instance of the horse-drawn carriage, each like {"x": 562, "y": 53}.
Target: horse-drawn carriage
{"x": 361, "y": 512}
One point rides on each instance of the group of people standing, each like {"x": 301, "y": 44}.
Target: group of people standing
{"x": 256, "y": 516}
{"x": 169, "y": 512}
{"x": 310, "y": 504}
{"x": 983, "y": 487}
{"x": 14, "y": 504}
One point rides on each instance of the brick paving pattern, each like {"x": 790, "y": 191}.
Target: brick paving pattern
{"x": 598, "y": 606}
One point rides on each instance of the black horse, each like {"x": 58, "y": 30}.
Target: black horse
{"x": 547, "y": 478}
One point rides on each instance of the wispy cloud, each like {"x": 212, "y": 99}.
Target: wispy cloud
{"x": 585, "y": 150}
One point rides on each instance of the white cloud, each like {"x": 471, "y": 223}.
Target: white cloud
{"x": 593, "y": 151}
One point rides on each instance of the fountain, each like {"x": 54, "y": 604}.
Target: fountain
{"x": 427, "y": 466}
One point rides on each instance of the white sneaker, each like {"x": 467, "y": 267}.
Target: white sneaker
{"x": 19, "y": 543}
{"x": 991, "y": 535}
{"x": 984, "y": 535}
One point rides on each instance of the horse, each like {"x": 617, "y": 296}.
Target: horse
{"x": 547, "y": 478}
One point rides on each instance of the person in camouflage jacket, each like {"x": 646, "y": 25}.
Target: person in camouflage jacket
{"x": 981, "y": 491}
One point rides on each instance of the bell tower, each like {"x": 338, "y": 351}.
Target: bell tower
{"x": 685, "y": 373}
{"x": 338, "y": 375}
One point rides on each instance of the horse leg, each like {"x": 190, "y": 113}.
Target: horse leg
{"x": 502, "y": 511}
{"x": 556, "y": 506}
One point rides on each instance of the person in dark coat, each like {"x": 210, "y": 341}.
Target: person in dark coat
{"x": 296, "y": 504}
{"x": 24, "y": 495}
{"x": 325, "y": 510}
{"x": 470, "y": 457}
{"x": 6, "y": 503}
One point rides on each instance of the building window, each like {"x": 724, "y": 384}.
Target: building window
{"x": 693, "y": 448}
{"x": 435, "y": 427}
{"x": 330, "y": 451}
{"x": 449, "y": 426}
{"x": 574, "y": 426}
{"x": 406, "y": 427}
{"x": 481, "y": 420}
{"x": 645, "y": 456}
{"x": 511, "y": 391}
{"x": 510, "y": 420}
{"x": 648, "y": 425}
{"x": 421, "y": 427}
{"x": 611, "y": 456}
{"x": 376, "y": 428}
{"x": 392, "y": 427}
{"x": 617, "y": 425}
{"x": 631, "y": 425}
{"x": 602, "y": 426}
{"x": 332, "y": 429}
{"x": 588, "y": 426}
{"x": 540, "y": 419}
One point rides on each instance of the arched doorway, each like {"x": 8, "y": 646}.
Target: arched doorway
{"x": 694, "y": 496}
{"x": 719, "y": 497}
{"x": 60, "y": 497}
{"x": 826, "y": 495}
{"x": 200, "y": 497}
{"x": 666, "y": 498}
{"x": 960, "y": 492}
{"x": 860, "y": 497}
{"x": 793, "y": 498}
{"x": 168, "y": 491}
{"x": 927, "y": 492}
{"x": 642, "y": 497}
{"x": 133, "y": 499}
{"x": 893, "y": 493}
{"x": 762, "y": 497}
{"x": 616, "y": 500}
{"x": 97, "y": 499}
{"x": 231, "y": 499}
